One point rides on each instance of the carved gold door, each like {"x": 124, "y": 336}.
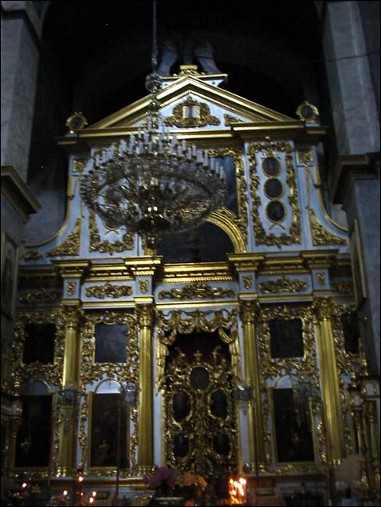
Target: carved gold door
{"x": 200, "y": 426}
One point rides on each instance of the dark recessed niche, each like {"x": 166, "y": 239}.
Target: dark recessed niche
{"x": 34, "y": 435}
{"x": 292, "y": 428}
{"x": 351, "y": 332}
{"x": 39, "y": 343}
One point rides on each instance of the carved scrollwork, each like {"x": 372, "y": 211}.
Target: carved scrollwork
{"x": 231, "y": 119}
{"x": 71, "y": 244}
{"x": 320, "y": 235}
{"x": 24, "y": 372}
{"x": 40, "y": 296}
{"x": 32, "y": 255}
{"x": 200, "y": 422}
{"x": 96, "y": 245}
{"x": 282, "y": 285}
{"x": 191, "y": 113}
{"x": 345, "y": 287}
{"x": 71, "y": 288}
{"x": 108, "y": 291}
{"x": 222, "y": 321}
{"x": 78, "y": 165}
{"x": 197, "y": 290}
{"x": 247, "y": 282}
{"x": 249, "y": 311}
{"x": 143, "y": 285}
{"x": 90, "y": 370}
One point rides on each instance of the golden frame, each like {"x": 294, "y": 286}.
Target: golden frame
{"x": 358, "y": 271}
{"x": 9, "y": 270}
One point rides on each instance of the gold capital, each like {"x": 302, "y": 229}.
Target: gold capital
{"x": 145, "y": 315}
{"x": 323, "y": 308}
{"x": 249, "y": 311}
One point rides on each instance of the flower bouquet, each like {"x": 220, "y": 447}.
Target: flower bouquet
{"x": 192, "y": 486}
{"x": 163, "y": 480}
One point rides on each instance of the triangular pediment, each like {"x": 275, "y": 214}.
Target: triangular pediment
{"x": 190, "y": 102}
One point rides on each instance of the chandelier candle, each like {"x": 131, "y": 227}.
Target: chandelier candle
{"x": 153, "y": 185}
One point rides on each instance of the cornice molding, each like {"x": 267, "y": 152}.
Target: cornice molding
{"x": 17, "y": 193}
{"x": 350, "y": 168}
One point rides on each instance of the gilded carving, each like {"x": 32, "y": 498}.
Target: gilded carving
{"x": 71, "y": 315}
{"x": 71, "y": 244}
{"x": 283, "y": 285}
{"x": 231, "y": 119}
{"x": 83, "y": 434}
{"x": 275, "y": 368}
{"x": 143, "y": 285}
{"x": 197, "y": 290}
{"x": 40, "y": 296}
{"x": 323, "y": 308}
{"x": 191, "y": 113}
{"x": 108, "y": 291}
{"x": 145, "y": 314}
{"x": 247, "y": 282}
{"x": 71, "y": 288}
{"x": 92, "y": 371}
{"x": 249, "y": 311}
{"x": 349, "y": 366}
{"x": 79, "y": 164}
{"x": 262, "y": 237}
{"x": 51, "y": 373}
{"x": 186, "y": 323}
{"x": 320, "y": 235}
{"x": 200, "y": 424}
{"x": 345, "y": 287}
{"x": 96, "y": 245}
{"x": 305, "y": 156}
{"x": 320, "y": 278}
{"x": 32, "y": 255}
{"x": 270, "y": 147}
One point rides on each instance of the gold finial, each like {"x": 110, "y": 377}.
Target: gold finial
{"x": 76, "y": 121}
{"x": 308, "y": 112}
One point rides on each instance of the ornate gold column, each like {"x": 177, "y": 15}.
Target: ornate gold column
{"x": 72, "y": 272}
{"x": 145, "y": 414}
{"x": 329, "y": 382}
{"x": 68, "y": 415}
{"x": 249, "y": 311}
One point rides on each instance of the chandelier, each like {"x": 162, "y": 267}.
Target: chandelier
{"x": 151, "y": 183}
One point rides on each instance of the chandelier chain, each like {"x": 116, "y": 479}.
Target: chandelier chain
{"x": 152, "y": 183}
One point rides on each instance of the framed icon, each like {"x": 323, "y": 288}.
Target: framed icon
{"x": 9, "y": 269}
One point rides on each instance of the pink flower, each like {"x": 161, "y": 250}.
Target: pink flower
{"x": 162, "y": 477}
